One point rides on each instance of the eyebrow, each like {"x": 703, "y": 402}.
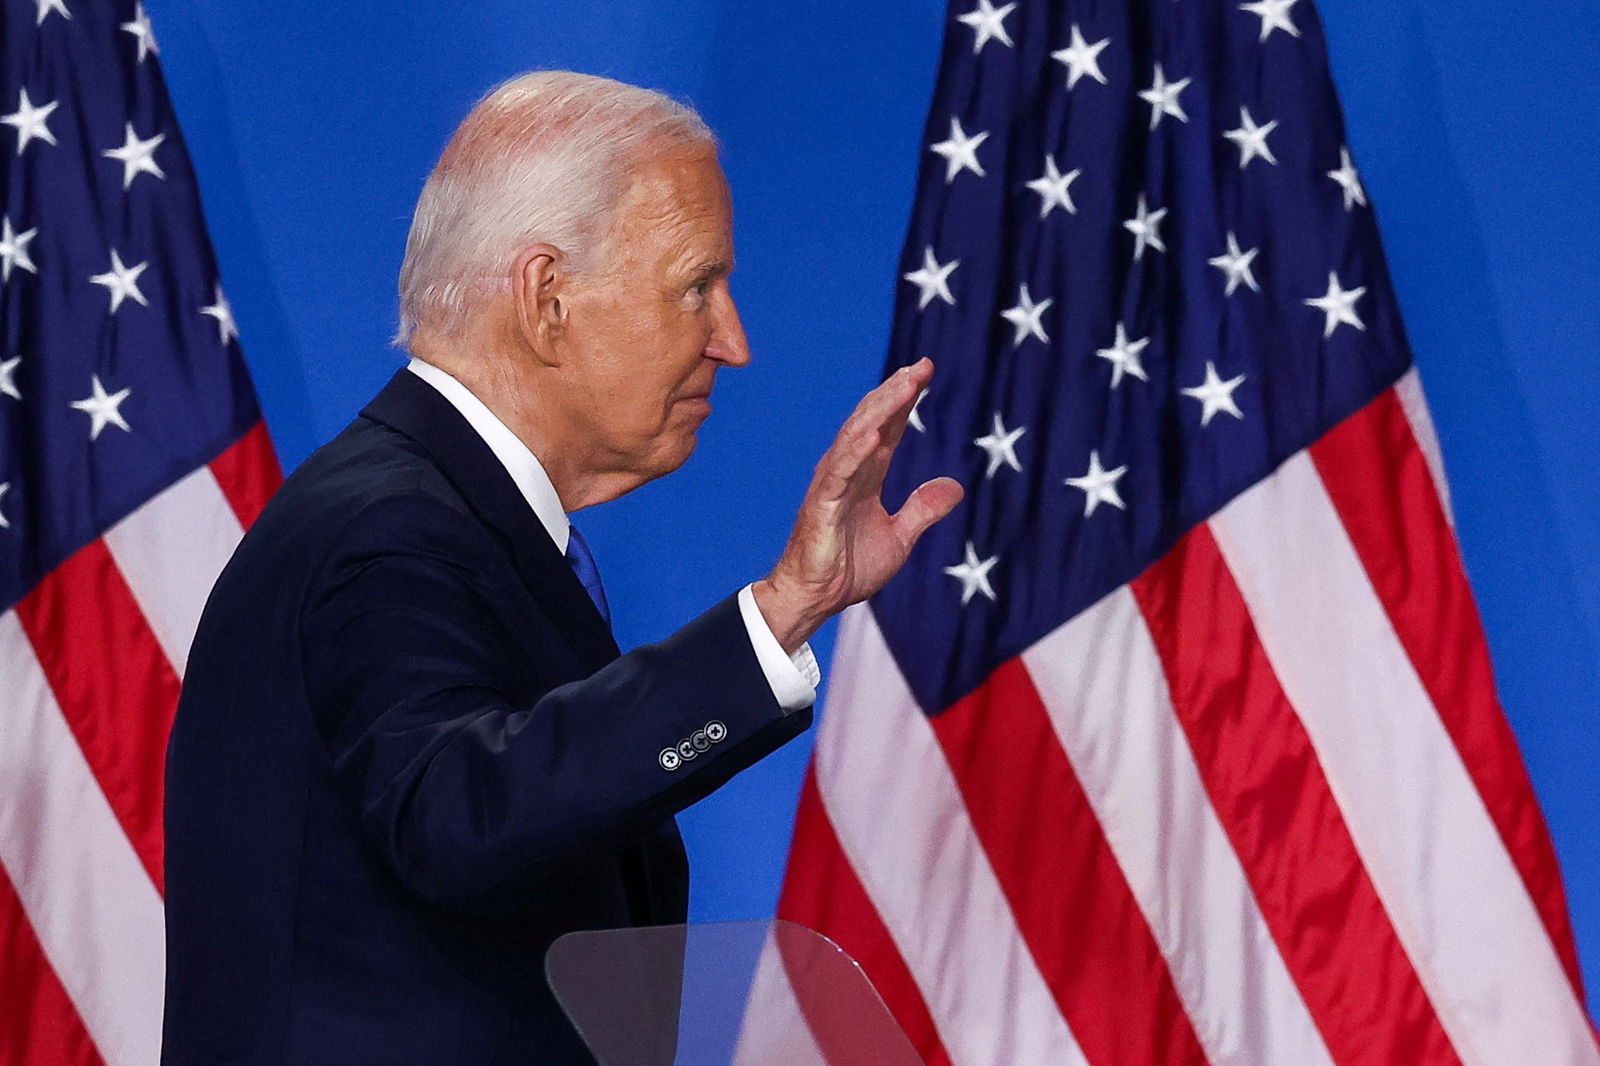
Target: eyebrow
{"x": 706, "y": 271}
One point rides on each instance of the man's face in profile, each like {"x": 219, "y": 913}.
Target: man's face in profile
{"x": 648, "y": 330}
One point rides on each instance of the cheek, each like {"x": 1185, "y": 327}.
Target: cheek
{"x": 641, "y": 367}
{"x": 678, "y": 354}
{"x": 622, "y": 362}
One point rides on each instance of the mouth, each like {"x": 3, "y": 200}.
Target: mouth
{"x": 696, "y": 400}
{"x": 697, "y": 407}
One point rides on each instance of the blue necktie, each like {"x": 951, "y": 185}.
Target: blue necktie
{"x": 583, "y": 564}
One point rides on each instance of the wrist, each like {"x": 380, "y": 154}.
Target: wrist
{"x": 790, "y": 616}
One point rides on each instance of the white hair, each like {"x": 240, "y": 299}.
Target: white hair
{"x": 544, "y": 157}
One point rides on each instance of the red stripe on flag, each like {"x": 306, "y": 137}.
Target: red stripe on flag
{"x": 1070, "y": 899}
{"x": 113, "y": 683}
{"x": 821, "y": 891}
{"x": 248, "y": 472}
{"x": 1379, "y": 482}
{"x": 38, "y": 1024}
{"x": 1273, "y": 801}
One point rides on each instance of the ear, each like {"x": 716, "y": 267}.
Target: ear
{"x": 539, "y": 281}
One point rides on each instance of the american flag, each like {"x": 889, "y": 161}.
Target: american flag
{"x": 132, "y": 456}
{"x": 1178, "y": 742}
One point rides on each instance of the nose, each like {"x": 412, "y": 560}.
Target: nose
{"x": 727, "y": 344}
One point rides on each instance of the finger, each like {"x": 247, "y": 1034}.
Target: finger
{"x": 895, "y": 426}
{"x": 863, "y": 432}
{"x": 917, "y": 376}
{"x": 888, "y": 433}
{"x": 840, "y": 465}
{"x": 870, "y": 434}
{"x": 931, "y": 501}
{"x": 899, "y": 390}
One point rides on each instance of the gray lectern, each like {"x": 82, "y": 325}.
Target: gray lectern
{"x": 738, "y": 994}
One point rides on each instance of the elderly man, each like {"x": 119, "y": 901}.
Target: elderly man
{"x": 408, "y": 754}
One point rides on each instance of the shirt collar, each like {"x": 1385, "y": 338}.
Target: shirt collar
{"x": 523, "y": 466}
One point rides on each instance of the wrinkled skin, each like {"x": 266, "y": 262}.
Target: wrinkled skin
{"x": 606, "y": 374}
{"x": 639, "y": 343}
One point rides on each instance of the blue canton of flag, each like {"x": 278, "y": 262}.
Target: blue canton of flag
{"x": 120, "y": 371}
{"x": 1141, "y": 260}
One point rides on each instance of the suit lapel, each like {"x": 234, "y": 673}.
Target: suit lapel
{"x": 413, "y": 407}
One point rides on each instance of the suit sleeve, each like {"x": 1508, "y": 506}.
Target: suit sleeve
{"x": 408, "y": 657}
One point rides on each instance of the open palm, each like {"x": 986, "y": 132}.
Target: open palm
{"x": 845, "y": 545}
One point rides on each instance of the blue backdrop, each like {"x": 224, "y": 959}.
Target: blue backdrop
{"x": 1475, "y": 123}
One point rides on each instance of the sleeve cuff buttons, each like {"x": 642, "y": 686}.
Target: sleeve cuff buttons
{"x": 690, "y": 747}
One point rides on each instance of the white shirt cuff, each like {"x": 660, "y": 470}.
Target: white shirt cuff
{"x": 794, "y": 678}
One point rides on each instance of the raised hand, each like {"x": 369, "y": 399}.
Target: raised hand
{"x": 845, "y": 546}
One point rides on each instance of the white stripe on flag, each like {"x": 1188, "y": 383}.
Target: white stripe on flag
{"x": 1408, "y": 390}
{"x": 1102, "y": 681}
{"x": 913, "y": 846}
{"x": 171, "y": 551}
{"x": 92, "y": 906}
{"x": 1434, "y": 856}
{"x": 774, "y": 1031}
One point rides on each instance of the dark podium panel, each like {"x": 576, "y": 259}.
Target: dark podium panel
{"x": 768, "y": 993}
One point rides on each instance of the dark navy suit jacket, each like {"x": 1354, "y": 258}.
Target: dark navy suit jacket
{"x": 408, "y": 757}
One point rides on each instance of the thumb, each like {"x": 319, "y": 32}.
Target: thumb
{"x": 930, "y": 502}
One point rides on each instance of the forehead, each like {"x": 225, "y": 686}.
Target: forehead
{"x": 676, "y": 204}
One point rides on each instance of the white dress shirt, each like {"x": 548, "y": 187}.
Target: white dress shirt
{"x": 793, "y": 679}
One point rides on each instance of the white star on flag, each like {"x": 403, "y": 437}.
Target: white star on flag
{"x": 914, "y": 419}
{"x": 8, "y": 377}
{"x": 1145, "y": 226}
{"x": 102, "y": 408}
{"x": 1001, "y": 446}
{"x": 1235, "y": 264}
{"x": 1339, "y": 305}
{"x": 1252, "y": 139}
{"x": 1215, "y": 395}
{"x": 222, "y": 311}
{"x": 136, "y": 156}
{"x": 1349, "y": 180}
{"x": 1162, "y": 96}
{"x": 30, "y": 121}
{"x": 14, "y": 250}
{"x": 988, "y": 23}
{"x": 1124, "y": 356}
{"x": 960, "y": 152}
{"x": 1099, "y": 485}
{"x": 140, "y": 28}
{"x": 1027, "y": 317}
{"x": 1081, "y": 58}
{"x": 1055, "y": 188}
{"x": 973, "y": 573}
{"x": 1274, "y": 15}
{"x": 5, "y": 487}
{"x": 122, "y": 282}
{"x": 933, "y": 278}
{"x": 47, "y": 6}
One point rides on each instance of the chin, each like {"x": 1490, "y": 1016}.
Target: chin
{"x": 672, "y": 451}
{"x": 682, "y": 449}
